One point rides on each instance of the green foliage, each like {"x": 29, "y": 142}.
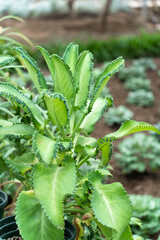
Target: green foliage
{"x": 134, "y": 84}
{"x": 141, "y": 97}
{"x": 130, "y": 47}
{"x": 155, "y": 134}
{"x": 57, "y": 124}
{"x": 136, "y": 156}
{"x": 146, "y": 208}
{"x": 117, "y": 115}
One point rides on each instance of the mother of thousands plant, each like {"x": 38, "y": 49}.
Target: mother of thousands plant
{"x": 57, "y": 124}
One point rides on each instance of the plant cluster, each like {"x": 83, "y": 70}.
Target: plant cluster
{"x": 146, "y": 63}
{"x": 135, "y": 81}
{"x": 117, "y": 115}
{"x": 53, "y": 130}
{"x": 132, "y": 72}
{"x": 141, "y": 97}
{"x": 136, "y": 156}
{"x": 146, "y": 208}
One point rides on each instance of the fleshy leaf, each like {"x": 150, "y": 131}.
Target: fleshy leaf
{"x": 59, "y": 181}
{"x": 86, "y": 141}
{"x": 47, "y": 58}
{"x": 29, "y": 213}
{"x": 127, "y": 235}
{"x": 3, "y": 166}
{"x": 5, "y": 123}
{"x": 63, "y": 80}
{"x": 111, "y": 205}
{"x": 6, "y": 59}
{"x": 23, "y": 163}
{"x": 32, "y": 68}
{"x": 104, "y": 77}
{"x": 107, "y": 150}
{"x": 83, "y": 75}
{"x": 95, "y": 115}
{"x": 71, "y": 56}
{"x": 57, "y": 109}
{"x": 17, "y": 130}
{"x": 109, "y": 233}
{"x": 130, "y": 127}
{"x": 8, "y": 91}
{"x": 43, "y": 145}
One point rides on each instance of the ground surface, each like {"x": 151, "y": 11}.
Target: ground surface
{"x": 64, "y": 28}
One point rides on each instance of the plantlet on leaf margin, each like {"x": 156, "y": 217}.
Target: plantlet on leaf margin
{"x": 72, "y": 107}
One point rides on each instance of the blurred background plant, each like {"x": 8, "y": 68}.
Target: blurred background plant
{"x": 146, "y": 208}
{"x": 117, "y": 115}
{"x": 135, "y": 156}
{"x": 141, "y": 98}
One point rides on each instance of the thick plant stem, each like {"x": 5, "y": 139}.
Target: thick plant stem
{"x": 75, "y": 210}
{"x": 77, "y": 126}
{"x": 82, "y": 162}
{"x": 49, "y": 132}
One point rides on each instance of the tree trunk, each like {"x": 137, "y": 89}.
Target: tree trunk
{"x": 144, "y": 9}
{"x": 155, "y": 6}
{"x": 105, "y": 15}
{"x": 70, "y": 6}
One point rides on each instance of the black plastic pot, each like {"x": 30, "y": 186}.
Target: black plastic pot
{"x": 9, "y": 229}
{"x": 3, "y": 202}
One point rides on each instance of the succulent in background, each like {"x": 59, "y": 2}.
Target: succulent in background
{"x": 141, "y": 98}
{"x": 147, "y": 63}
{"x": 134, "y": 155}
{"x": 146, "y": 208}
{"x": 117, "y": 115}
{"x": 134, "y": 84}
{"x": 132, "y": 72}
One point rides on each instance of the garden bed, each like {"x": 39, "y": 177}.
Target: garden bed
{"x": 135, "y": 183}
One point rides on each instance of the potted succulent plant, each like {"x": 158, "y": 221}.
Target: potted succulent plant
{"x": 57, "y": 124}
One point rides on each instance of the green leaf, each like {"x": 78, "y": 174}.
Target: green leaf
{"x": 59, "y": 181}
{"x": 109, "y": 233}
{"x": 23, "y": 163}
{"x": 127, "y": 235}
{"x": 6, "y": 59}
{"x": 107, "y": 151}
{"x": 71, "y": 56}
{"x": 104, "y": 77}
{"x": 83, "y": 75}
{"x": 17, "y": 130}
{"x": 43, "y": 145}
{"x": 95, "y": 115}
{"x": 32, "y": 68}
{"x": 57, "y": 109}
{"x": 10, "y": 92}
{"x": 111, "y": 205}
{"x": 86, "y": 141}
{"x": 3, "y": 166}
{"x": 29, "y": 213}
{"x": 5, "y": 123}
{"x": 63, "y": 80}
{"x": 130, "y": 127}
{"x": 47, "y": 58}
